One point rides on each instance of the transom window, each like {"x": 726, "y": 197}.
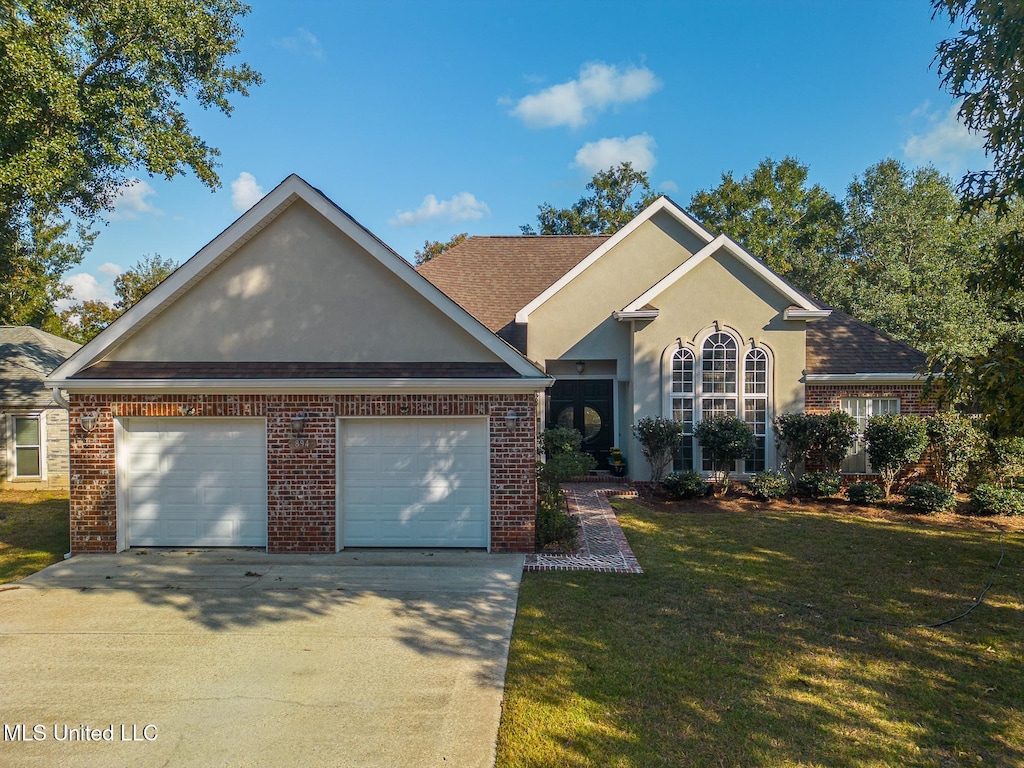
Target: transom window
{"x": 862, "y": 409}
{"x": 717, "y": 390}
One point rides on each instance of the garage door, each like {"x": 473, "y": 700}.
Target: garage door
{"x": 414, "y": 482}
{"x": 195, "y": 483}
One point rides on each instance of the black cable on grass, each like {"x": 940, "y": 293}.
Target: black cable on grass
{"x": 977, "y": 601}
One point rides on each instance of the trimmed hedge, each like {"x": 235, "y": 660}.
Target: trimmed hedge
{"x": 864, "y": 493}
{"x": 685, "y": 485}
{"x": 768, "y": 485}
{"x": 819, "y": 485}
{"x": 989, "y": 499}
{"x": 928, "y": 497}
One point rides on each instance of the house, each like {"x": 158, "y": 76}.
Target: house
{"x": 34, "y": 429}
{"x": 665, "y": 319}
{"x": 296, "y": 385}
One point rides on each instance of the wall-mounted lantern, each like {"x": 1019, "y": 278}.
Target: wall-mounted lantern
{"x": 88, "y": 421}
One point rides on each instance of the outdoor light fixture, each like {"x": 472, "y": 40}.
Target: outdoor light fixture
{"x": 511, "y": 419}
{"x": 87, "y": 421}
{"x": 298, "y": 424}
{"x": 580, "y": 365}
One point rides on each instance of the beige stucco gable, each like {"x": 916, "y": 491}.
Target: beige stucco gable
{"x": 577, "y": 323}
{"x": 301, "y": 290}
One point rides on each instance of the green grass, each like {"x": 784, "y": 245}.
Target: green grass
{"x": 774, "y": 636}
{"x": 33, "y": 532}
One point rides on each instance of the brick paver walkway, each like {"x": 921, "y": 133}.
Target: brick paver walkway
{"x": 603, "y": 544}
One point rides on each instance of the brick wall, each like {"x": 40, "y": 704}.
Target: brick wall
{"x": 825, "y": 398}
{"x": 301, "y": 484}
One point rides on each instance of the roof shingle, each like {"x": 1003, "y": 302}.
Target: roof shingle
{"x": 842, "y": 344}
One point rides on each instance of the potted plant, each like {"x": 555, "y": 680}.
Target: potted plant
{"x": 617, "y": 462}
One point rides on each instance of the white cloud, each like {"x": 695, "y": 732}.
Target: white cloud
{"x": 245, "y": 192}
{"x": 130, "y": 200}
{"x": 605, "y": 153}
{"x": 668, "y": 186}
{"x": 302, "y": 41}
{"x": 110, "y": 269}
{"x": 945, "y": 142}
{"x": 461, "y": 207}
{"x": 85, "y": 287}
{"x": 575, "y": 103}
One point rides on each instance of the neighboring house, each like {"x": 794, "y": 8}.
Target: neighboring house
{"x": 296, "y": 385}
{"x": 33, "y": 428}
{"x": 665, "y": 319}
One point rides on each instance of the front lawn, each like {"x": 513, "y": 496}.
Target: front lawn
{"x": 781, "y": 635}
{"x": 33, "y": 531}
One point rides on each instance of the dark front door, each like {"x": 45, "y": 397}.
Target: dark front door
{"x": 586, "y": 406}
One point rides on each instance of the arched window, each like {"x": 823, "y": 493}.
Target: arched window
{"x": 755, "y": 404}
{"x": 721, "y": 380}
{"x": 682, "y": 404}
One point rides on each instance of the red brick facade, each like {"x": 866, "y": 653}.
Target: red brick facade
{"x": 302, "y": 485}
{"x": 822, "y": 398}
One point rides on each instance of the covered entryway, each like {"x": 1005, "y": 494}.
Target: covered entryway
{"x": 414, "y": 482}
{"x": 586, "y": 406}
{"x": 193, "y": 482}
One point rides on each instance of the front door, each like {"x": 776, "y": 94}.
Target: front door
{"x": 586, "y": 406}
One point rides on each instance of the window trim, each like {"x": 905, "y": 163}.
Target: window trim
{"x": 12, "y": 445}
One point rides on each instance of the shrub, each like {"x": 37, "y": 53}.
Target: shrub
{"x": 685, "y": 485}
{"x": 819, "y": 485}
{"x": 556, "y": 528}
{"x": 796, "y": 436}
{"x": 928, "y": 497}
{"x": 800, "y": 434}
{"x": 956, "y": 444}
{"x": 836, "y": 434}
{"x": 989, "y": 499}
{"x": 725, "y": 439}
{"x": 864, "y": 493}
{"x": 659, "y": 440}
{"x": 564, "y": 462}
{"x": 895, "y": 441}
{"x": 1006, "y": 455}
{"x": 769, "y": 485}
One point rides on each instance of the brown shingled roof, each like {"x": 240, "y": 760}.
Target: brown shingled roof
{"x": 841, "y": 344}
{"x": 495, "y": 277}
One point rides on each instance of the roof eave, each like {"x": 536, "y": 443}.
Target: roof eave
{"x": 869, "y": 378}
{"x": 303, "y": 386}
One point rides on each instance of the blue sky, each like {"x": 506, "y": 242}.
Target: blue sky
{"x": 425, "y": 119}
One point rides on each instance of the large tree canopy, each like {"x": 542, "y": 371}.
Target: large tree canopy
{"x": 775, "y": 215}
{"x": 616, "y": 196}
{"x": 93, "y": 91}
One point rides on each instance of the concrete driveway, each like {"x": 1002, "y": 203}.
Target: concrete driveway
{"x": 239, "y": 658}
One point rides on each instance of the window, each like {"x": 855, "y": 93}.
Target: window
{"x": 28, "y": 446}
{"x": 682, "y": 405}
{"x": 755, "y": 404}
{"x": 862, "y": 409}
{"x": 717, "y": 390}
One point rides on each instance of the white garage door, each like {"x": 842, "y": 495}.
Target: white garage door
{"x": 197, "y": 483}
{"x": 414, "y": 482}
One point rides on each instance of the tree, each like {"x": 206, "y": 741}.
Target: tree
{"x": 434, "y": 248}
{"x": 85, "y": 320}
{"x": 895, "y": 441}
{"x": 982, "y": 65}
{"x": 955, "y": 444}
{"x": 92, "y": 91}
{"x": 913, "y": 259}
{"x": 772, "y": 212}
{"x": 725, "y": 440}
{"x": 617, "y": 196}
{"x": 659, "y": 440}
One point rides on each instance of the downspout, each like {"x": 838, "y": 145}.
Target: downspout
{"x": 60, "y": 399}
